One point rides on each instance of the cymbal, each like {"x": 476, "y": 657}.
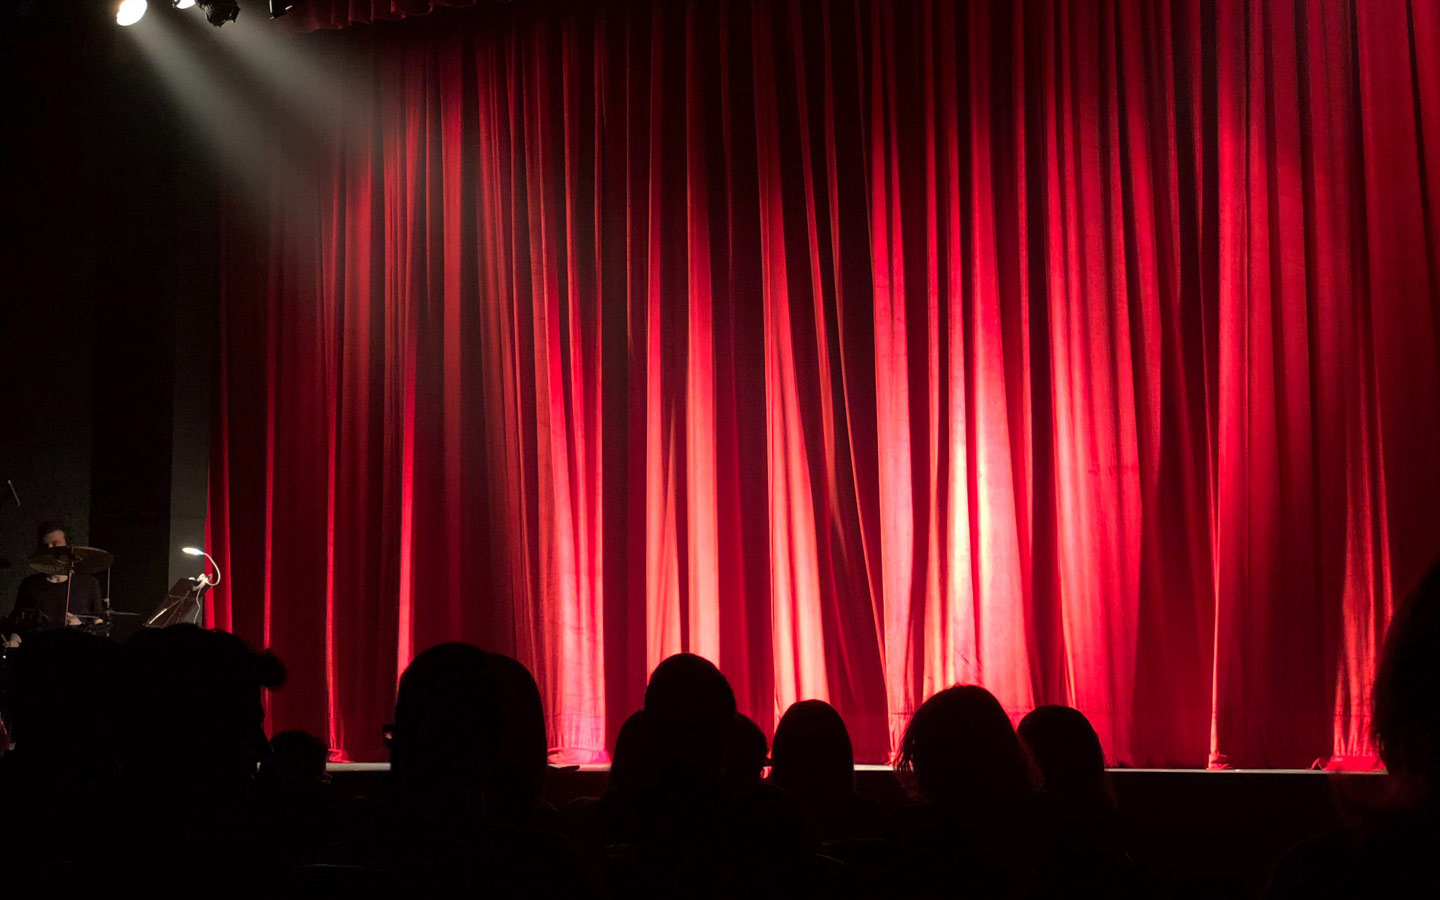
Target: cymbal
{"x": 58, "y": 560}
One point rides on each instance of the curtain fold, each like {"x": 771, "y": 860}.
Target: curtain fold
{"x": 1089, "y": 352}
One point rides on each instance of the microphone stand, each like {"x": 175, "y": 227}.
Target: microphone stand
{"x": 10, "y": 492}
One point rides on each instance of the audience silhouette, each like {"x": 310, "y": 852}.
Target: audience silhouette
{"x": 463, "y": 723}
{"x": 171, "y": 758}
{"x": 59, "y": 781}
{"x": 745, "y": 753}
{"x": 515, "y": 785}
{"x": 1071, "y": 762}
{"x": 812, "y": 758}
{"x": 1088, "y": 853}
{"x": 136, "y": 763}
{"x": 975, "y": 826}
{"x": 296, "y": 764}
{"x": 614, "y": 819}
{"x": 696, "y": 832}
{"x": 446, "y": 730}
{"x": 632, "y": 766}
{"x": 1395, "y": 852}
{"x": 295, "y": 809}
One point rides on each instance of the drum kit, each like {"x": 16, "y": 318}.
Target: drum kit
{"x": 69, "y": 562}
{"x": 182, "y": 604}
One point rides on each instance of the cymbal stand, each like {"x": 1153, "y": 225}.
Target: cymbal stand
{"x": 69, "y": 583}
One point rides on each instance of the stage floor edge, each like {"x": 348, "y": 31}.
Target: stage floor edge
{"x": 871, "y": 767}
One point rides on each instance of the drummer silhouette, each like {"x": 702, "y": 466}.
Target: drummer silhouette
{"x": 45, "y": 600}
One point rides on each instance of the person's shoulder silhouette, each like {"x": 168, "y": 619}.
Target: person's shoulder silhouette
{"x": 58, "y": 784}
{"x": 1396, "y": 852}
{"x": 193, "y": 737}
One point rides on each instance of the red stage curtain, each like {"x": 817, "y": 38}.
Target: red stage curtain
{"x": 1084, "y": 351}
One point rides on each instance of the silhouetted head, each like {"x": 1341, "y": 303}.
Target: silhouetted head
{"x": 745, "y": 754}
{"x": 632, "y": 767}
{"x": 517, "y": 778}
{"x": 1406, "y": 719}
{"x": 297, "y": 760}
{"x": 689, "y": 711}
{"x": 812, "y": 755}
{"x": 960, "y": 751}
{"x": 196, "y": 715}
{"x": 447, "y": 719}
{"x": 61, "y": 699}
{"x": 1067, "y": 751}
{"x": 1064, "y": 746}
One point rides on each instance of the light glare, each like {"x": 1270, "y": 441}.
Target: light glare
{"x": 190, "y": 551}
{"x": 130, "y": 11}
{"x": 184, "y": 4}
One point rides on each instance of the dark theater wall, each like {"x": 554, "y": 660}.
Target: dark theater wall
{"x": 105, "y": 336}
{"x": 47, "y": 322}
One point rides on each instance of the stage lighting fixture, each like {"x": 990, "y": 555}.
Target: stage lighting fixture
{"x": 218, "y": 12}
{"x": 129, "y": 11}
{"x": 279, "y": 8}
{"x": 184, "y": 4}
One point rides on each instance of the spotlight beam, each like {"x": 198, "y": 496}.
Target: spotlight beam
{"x": 307, "y": 83}
{"x": 214, "y": 97}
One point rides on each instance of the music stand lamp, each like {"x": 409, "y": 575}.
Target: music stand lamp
{"x": 186, "y": 591}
